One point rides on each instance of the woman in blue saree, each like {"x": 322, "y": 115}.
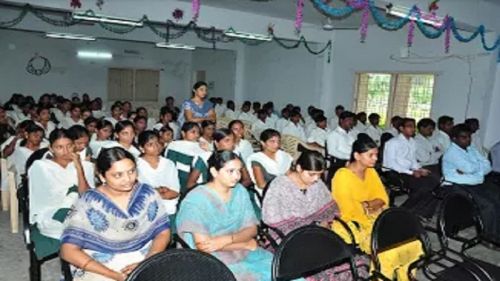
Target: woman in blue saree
{"x": 117, "y": 225}
{"x": 218, "y": 218}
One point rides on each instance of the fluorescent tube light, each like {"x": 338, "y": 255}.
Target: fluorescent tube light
{"x": 94, "y": 55}
{"x": 427, "y": 18}
{"x": 244, "y": 35}
{"x": 106, "y": 19}
{"x": 175, "y": 46}
{"x": 69, "y": 36}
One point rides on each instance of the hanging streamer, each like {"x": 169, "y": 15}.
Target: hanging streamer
{"x": 299, "y": 16}
{"x": 196, "y": 9}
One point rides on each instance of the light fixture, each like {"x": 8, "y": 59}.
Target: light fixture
{"x": 106, "y": 19}
{"x": 69, "y": 36}
{"x": 94, "y": 55}
{"x": 427, "y": 18}
{"x": 244, "y": 35}
{"x": 175, "y": 46}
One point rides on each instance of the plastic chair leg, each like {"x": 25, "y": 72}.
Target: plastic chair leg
{"x": 35, "y": 268}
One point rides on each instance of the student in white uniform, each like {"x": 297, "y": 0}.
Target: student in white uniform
{"x": 167, "y": 118}
{"x": 91, "y": 125}
{"x": 44, "y": 121}
{"x": 320, "y": 132}
{"x": 206, "y": 139}
{"x": 294, "y": 128}
{"x": 157, "y": 171}
{"x": 393, "y": 128}
{"x": 242, "y": 146}
{"x": 104, "y": 132}
{"x": 473, "y": 125}
{"x": 373, "y": 130}
{"x": 55, "y": 183}
{"x": 271, "y": 162}
{"x": 230, "y": 112}
{"x": 81, "y": 139}
{"x": 74, "y": 118}
{"x": 260, "y": 124}
{"x": 361, "y": 122}
{"x": 283, "y": 120}
{"x": 116, "y": 114}
{"x": 140, "y": 124}
{"x": 442, "y": 135}
{"x": 124, "y": 137}
{"x": 339, "y": 143}
{"x": 245, "y": 114}
{"x": 62, "y": 109}
{"x": 33, "y": 140}
{"x": 334, "y": 122}
{"x": 427, "y": 151}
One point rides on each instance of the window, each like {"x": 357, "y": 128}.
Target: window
{"x": 140, "y": 85}
{"x": 389, "y": 94}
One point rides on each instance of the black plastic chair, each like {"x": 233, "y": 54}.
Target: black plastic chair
{"x": 394, "y": 183}
{"x": 23, "y": 199}
{"x": 397, "y": 226}
{"x": 309, "y": 250}
{"x": 458, "y": 213}
{"x": 181, "y": 265}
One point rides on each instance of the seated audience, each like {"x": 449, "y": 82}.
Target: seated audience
{"x": 197, "y": 109}
{"x": 104, "y": 132}
{"x": 442, "y": 135}
{"x": 114, "y": 227}
{"x": 33, "y": 140}
{"x": 157, "y": 171}
{"x": 124, "y": 137}
{"x": 427, "y": 150}
{"x": 301, "y": 198}
{"x": 74, "y": 118}
{"x": 359, "y": 192}
{"x": 230, "y": 112}
{"x": 319, "y": 133}
{"x": 185, "y": 152}
{"x": 81, "y": 138}
{"x": 394, "y": 126}
{"x": 495, "y": 157}
{"x": 339, "y": 142}
{"x": 116, "y": 114}
{"x": 373, "y": 130}
{"x": 269, "y": 163}
{"x": 334, "y": 122}
{"x": 294, "y": 127}
{"x": 90, "y": 125}
{"x": 55, "y": 183}
{"x": 206, "y": 139}
{"x": 400, "y": 157}
{"x": 245, "y": 114}
{"x": 473, "y": 125}
{"x": 283, "y": 121}
{"x": 44, "y": 121}
{"x": 166, "y": 135}
{"x": 167, "y": 118}
{"x": 260, "y": 124}
{"x": 242, "y": 147}
{"x": 465, "y": 168}
{"x": 361, "y": 125}
{"x": 218, "y": 218}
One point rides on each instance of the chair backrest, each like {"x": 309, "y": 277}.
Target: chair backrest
{"x": 181, "y": 265}
{"x": 394, "y": 227}
{"x": 309, "y": 250}
{"x": 457, "y": 213}
{"x": 290, "y": 144}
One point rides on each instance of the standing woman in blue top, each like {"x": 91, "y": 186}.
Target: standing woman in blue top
{"x": 198, "y": 108}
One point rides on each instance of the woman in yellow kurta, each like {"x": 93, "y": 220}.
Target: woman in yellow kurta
{"x": 359, "y": 192}
{"x": 361, "y": 197}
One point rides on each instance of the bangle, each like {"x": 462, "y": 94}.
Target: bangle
{"x": 86, "y": 264}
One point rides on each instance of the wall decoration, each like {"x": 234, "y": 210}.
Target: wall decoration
{"x": 196, "y": 9}
{"x": 38, "y": 65}
{"x": 75, "y": 4}
{"x": 178, "y": 14}
{"x": 173, "y": 30}
{"x": 299, "y": 16}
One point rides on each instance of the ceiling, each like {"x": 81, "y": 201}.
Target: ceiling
{"x": 285, "y": 9}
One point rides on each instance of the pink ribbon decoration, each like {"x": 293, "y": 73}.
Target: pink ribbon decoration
{"x": 196, "y": 9}
{"x": 299, "y": 16}
{"x": 365, "y": 19}
{"x": 75, "y": 4}
{"x": 447, "y": 34}
{"x": 411, "y": 33}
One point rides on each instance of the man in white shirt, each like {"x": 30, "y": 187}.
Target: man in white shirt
{"x": 74, "y": 118}
{"x": 373, "y": 130}
{"x": 230, "y": 113}
{"x": 442, "y": 136}
{"x": 245, "y": 114}
{"x": 319, "y": 134}
{"x": 361, "y": 125}
{"x": 394, "y": 126}
{"x": 294, "y": 128}
{"x": 339, "y": 143}
{"x": 428, "y": 151}
{"x": 400, "y": 157}
{"x": 473, "y": 125}
{"x": 334, "y": 122}
{"x": 284, "y": 120}
{"x": 219, "y": 108}
{"x": 116, "y": 114}
{"x": 260, "y": 125}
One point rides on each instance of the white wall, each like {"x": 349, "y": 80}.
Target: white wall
{"x": 220, "y": 66}
{"x": 282, "y": 76}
